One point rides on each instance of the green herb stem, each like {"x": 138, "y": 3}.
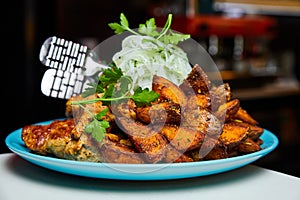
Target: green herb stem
{"x": 166, "y": 27}
{"x": 131, "y": 31}
{"x": 87, "y": 110}
{"x": 90, "y": 101}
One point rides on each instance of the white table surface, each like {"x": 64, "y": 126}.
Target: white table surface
{"x": 20, "y": 179}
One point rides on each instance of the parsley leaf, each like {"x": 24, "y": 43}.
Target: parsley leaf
{"x": 97, "y": 128}
{"x": 105, "y": 84}
{"x": 149, "y": 29}
{"x": 143, "y": 97}
{"x": 101, "y": 114}
{"x": 174, "y": 38}
{"x": 123, "y": 26}
{"x": 115, "y": 86}
{"x": 117, "y": 27}
{"x": 110, "y": 75}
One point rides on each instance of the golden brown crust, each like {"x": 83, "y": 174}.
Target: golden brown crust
{"x": 144, "y": 139}
{"x": 183, "y": 138}
{"x": 218, "y": 152}
{"x": 244, "y": 116}
{"x": 233, "y": 134}
{"x": 172, "y": 155}
{"x": 37, "y": 137}
{"x": 163, "y": 112}
{"x": 115, "y": 152}
{"x": 202, "y": 120}
{"x": 228, "y": 110}
{"x": 169, "y": 91}
{"x": 197, "y": 82}
{"x": 254, "y": 131}
{"x": 248, "y": 146}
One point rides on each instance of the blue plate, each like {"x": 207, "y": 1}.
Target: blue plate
{"x": 139, "y": 171}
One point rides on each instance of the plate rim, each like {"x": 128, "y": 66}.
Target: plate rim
{"x": 14, "y": 138}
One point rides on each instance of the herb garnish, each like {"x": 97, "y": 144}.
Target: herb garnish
{"x": 166, "y": 35}
{"x": 115, "y": 87}
{"x": 98, "y": 126}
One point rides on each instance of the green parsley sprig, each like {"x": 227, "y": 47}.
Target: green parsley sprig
{"x": 115, "y": 87}
{"x": 98, "y": 126}
{"x": 166, "y": 35}
{"x": 108, "y": 78}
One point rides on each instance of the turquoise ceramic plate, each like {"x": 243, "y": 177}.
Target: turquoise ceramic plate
{"x": 139, "y": 171}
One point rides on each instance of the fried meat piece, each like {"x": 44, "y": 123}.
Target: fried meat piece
{"x": 199, "y": 101}
{"x": 197, "y": 82}
{"x": 56, "y": 139}
{"x": 220, "y": 94}
{"x": 211, "y": 149}
{"x": 248, "y": 146}
{"x": 125, "y": 109}
{"x": 254, "y": 131}
{"x": 202, "y": 120}
{"x": 172, "y": 155}
{"x": 218, "y": 152}
{"x": 228, "y": 110}
{"x": 233, "y": 134}
{"x": 243, "y": 115}
{"x": 212, "y": 100}
{"x": 145, "y": 140}
{"x": 182, "y": 138}
{"x": 168, "y": 91}
{"x": 48, "y": 139}
{"x": 163, "y": 112}
{"x": 116, "y": 152}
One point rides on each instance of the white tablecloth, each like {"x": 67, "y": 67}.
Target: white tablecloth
{"x": 22, "y": 180}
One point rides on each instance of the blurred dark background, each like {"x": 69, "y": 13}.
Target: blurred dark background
{"x": 255, "y": 46}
